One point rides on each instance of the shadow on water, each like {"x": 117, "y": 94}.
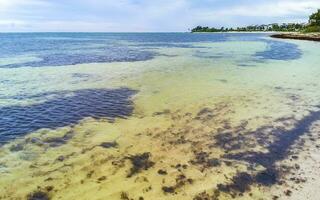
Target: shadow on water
{"x": 69, "y": 108}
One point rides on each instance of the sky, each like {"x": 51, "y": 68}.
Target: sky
{"x": 146, "y": 15}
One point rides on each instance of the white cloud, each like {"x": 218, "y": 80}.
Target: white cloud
{"x": 145, "y": 15}
{"x": 277, "y": 9}
{"x": 13, "y": 4}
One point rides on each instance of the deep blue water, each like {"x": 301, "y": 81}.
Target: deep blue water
{"x": 59, "y": 49}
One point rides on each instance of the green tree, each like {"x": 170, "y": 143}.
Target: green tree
{"x": 275, "y": 27}
{"x": 315, "y": 19}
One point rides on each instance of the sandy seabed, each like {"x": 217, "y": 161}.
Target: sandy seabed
{"x": 200, "y": 129}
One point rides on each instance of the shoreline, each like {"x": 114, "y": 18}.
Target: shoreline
{"x": 298, "y": 36}
{"x": 241, "y": 32}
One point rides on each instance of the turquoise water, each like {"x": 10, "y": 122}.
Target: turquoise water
{"x": 111, "y": 115}
{"x": 64, "y": 49}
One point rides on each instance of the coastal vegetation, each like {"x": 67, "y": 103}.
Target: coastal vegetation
{"x": 253, "y": 28}
{"x": 314, "y": 23}
{"x": 312, "y": 26}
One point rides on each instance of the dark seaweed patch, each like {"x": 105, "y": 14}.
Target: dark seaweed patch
{"x": 168, "y": 189}
{"x": 203, "y": 158}
{"x": 164, "y": 112}
{"x": 61, "y": 158}
{"x": 277, "y": 50}
{"x": 205, "y": 114}
{"x": 108, "y": 145}
{"x": 288, "y": 192}
{"x": 222, "y": 80}
{"x": 284, "y": 139}
{"x": 59, "y": 141}
{"x": 233, "y": 139}
{"x": 38, "y": 195}
{"x": 267, "y": 177}
{"x": 240, "y": 183}
{"x": 277, "y": 150}
{"x": 123, "y": 54}
{"x": 167, "y": 45}
{"x": 229, "y": 142}
{"x": 245, "y": 65}
{"x": 67, "y": 109}
{"x": 16, "y": 147}
{"x": 140, "y": 162}
{"x": 210, "y": 56}
{"x": 102, "y": 178}
{"x": 205, "y": 196}
{"x": 124, "y": 196}
{"x": 202, "y": 196}
{"x": 162, "y": 172}
{"x": 181, "y": 180}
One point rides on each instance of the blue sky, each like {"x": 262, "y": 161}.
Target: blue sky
{"x": 146, "y": 15}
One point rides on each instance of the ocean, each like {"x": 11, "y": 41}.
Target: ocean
{"x": 155, "y": 115}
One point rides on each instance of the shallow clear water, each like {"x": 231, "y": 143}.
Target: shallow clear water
{"x": 104, "y": 112}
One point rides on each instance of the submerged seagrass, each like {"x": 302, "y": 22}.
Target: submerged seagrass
{"x": 158, "y": 116}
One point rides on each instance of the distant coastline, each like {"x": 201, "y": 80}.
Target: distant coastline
{"x": 290, "y": 27}
{"x": 299, "y": 31}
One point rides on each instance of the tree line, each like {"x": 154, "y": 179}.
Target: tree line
{"x": 312, "y": 26}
